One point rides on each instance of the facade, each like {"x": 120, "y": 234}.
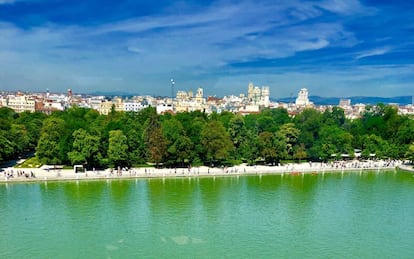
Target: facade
{"x": 106, "y": 106}
{"x": 257, "y": 95}
{"x": 134, "y": 106}
{"x": 303, "y": 100}
{"x": 21, "y": 103}
{"x": 256, "y": 99}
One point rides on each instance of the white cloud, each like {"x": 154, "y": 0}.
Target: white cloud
{"x": 193, "y": 47}
{"x": 134, "y": 50}
{"x": 373, "y": 52}
{"x": 7, "y": 1}
{"x": 346, "y": 7}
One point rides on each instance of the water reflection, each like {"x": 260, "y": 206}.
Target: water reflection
{"x": 331, "y": 215}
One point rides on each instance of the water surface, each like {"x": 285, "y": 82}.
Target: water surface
{"x": 364, "y": 215}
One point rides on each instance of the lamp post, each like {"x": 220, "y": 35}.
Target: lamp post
{"x": 172, "y": 93}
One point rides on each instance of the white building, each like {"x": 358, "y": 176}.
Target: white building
{"x": 257, "y": 95}
{"x": 303, "y": 99}
{"x": 134, "y": 106}
{"x": 21, "y": 103}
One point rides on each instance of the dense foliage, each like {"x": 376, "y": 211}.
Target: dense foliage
{"x": 82, "y": 136}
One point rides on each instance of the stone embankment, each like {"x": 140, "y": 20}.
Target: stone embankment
{"x": 406, "y": 167}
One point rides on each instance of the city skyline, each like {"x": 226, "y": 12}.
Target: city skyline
{"x": 333, "y": 48}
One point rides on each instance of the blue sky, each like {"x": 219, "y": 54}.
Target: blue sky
{"x": 332, "y": 47}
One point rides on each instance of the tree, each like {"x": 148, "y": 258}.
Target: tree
{"x": 249, "y": 149}
{"x": 135, "y": 146}
{"x": 267, "y": 146}
{"x": 280, "y": 116}
{"x": 410, "y": 153}
{"x": 373, "y": 144}
{"x": 309, "y": 123}
{"x": 154, "y": 140}
{"x": 272, "y": 147}
{"x": 181, "y": 150}
{"x": 334, "y": 116}
{"x": 300, "y": 153}
{"x": 18, "y": 135}
{"x": 237, "y": 130}
{"x": 85, "y": 149}
{"x": 333, "y": 142}
{"x": 50, "y": 146}
{"x": 216, "y": 142}
{"x": 265, "y": 123}
{"x": 33, "y": 124}
{"x": 118, "y": 148}
{"x": 6, "y": 147}
{"x": 289, "y": 133}
{"x": 225, "y": 117}
{"x": 179, "y": 145}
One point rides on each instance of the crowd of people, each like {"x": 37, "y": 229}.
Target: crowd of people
{"x": 18, "y": 173}
{"x": 292, "y": 168}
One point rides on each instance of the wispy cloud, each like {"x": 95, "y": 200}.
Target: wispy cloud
{"x": 7, "y": 1}
{"x": 347, "y": 7}
{"x": 196, "y": 45}
{"x": 374, "y": 52}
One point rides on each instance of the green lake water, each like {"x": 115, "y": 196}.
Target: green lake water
{"x": 350, "y": 215}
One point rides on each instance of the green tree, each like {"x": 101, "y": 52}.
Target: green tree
{"x": 267, "y": 142}
{"x": 280, "y": 116}
{"x": 237, "y": 130}
{"x": 290, "y": 134}
{"x": 373, "y": 144}
{"x": 300, "y": 153}
{"x": 216, "y": 142}
{"x": 6, "y": 147}
{"x": 309, "y": 122}
{"x": 85, "y": 149}
{"x": 33, "y": 124}
{"x": 155, "y": 142}
{"x": 118, "y": 148}
{"x": 249, "y": 150}
{"x": 182, "y": 149}
{"x": 135, "y": 146}
{"x": 265, "y": 123}
{"x": 410, "y": 153}
{"x": 193, "y": 130}
{"x": 272, "y": 147}
{"x": 333, "y": 142}
{"x": 50, "y": 146}
{"x": 179, "y": 145}
{"x": 19, "y": 136}
{"x": 225, "y": 117}
{"x": 334, "y": 116}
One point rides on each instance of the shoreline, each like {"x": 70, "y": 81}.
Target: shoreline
{"x": 406, "y": 168}
{"x": 23, "y": 175}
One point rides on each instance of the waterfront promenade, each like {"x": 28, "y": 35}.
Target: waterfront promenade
{"x": 409, "y": 168}
{"x": 11, "y": 174}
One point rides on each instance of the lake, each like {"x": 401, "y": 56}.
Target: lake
{"x": 360, "y": 214}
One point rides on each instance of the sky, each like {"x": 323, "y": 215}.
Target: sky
{"x": 334, "y": 48}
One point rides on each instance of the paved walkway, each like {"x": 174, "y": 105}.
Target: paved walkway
{"x": 27, "y": 174}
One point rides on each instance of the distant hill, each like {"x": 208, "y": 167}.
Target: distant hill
{"x": 318, "y": 100}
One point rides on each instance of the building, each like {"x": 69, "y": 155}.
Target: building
{"x": 134, "y": 106}
{"x": 344, "y": 103}
{"x": 20, "y": 103}
{"x": 117, "y": 103}
{"x": 199, "y": 96}
{"x": 257, "y": 95}
{"x": 303, "y": 100}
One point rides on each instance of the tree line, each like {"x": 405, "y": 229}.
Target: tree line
{"x": 83, "y": 136}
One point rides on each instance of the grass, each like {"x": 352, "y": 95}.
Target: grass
{"x": 32, "y": 162}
